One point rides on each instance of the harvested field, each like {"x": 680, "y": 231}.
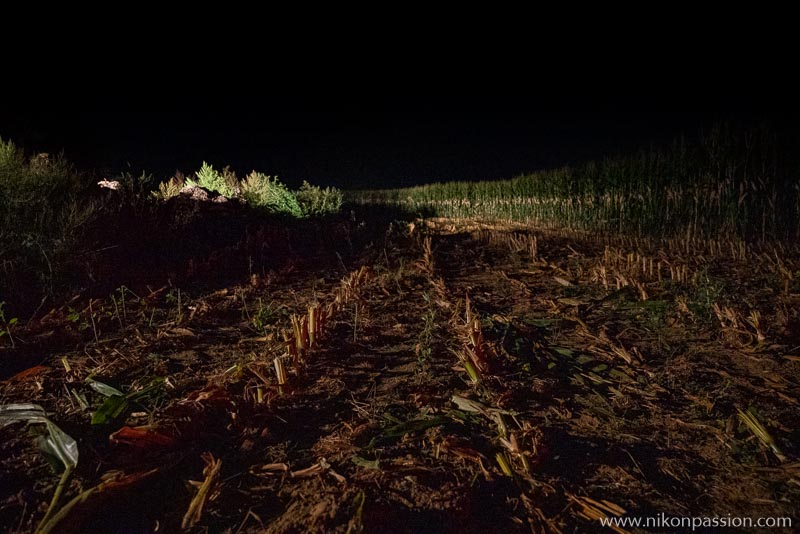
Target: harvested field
{"x": 450, "y": 376}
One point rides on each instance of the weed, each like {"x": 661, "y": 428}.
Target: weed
{"x": 707, "y": 293}
{"x": 93, "y": 317}
{"x": 170, "y": 188}
{"x": 174, "y": 298}
{"x": 261, "y": 191}
{"x": 266, "y": 316}
{"x": 74, "y": 316}
{"x": 219, "y": 182}
{"x": 269, "y": 194}
{"x": 8, "y": 324}
{"x": 424, "y": 348}
{"x": 315, "y": 201}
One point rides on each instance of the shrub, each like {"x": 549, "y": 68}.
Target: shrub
{"x": 170, "y": 188}
{"x": 223, "y": 183}
{"x": 260, "y": 191}
{"x": 43, "y": 213}
{"x": 267, "y": 193}
{"x": 315, "y": 201}
{"x": 11, "y": 159}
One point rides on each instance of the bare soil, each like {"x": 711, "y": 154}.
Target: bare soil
{"x": 612, "y": 384}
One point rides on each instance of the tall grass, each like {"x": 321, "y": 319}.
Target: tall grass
{"x": 731, "y": 184}
{"x": 44, "y": 208}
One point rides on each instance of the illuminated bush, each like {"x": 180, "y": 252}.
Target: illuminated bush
{"x": 223, "y": 183}
{"x": 170, "y": 188}
{"x": 316, "y": 201}
{"x": 267, "y": 193}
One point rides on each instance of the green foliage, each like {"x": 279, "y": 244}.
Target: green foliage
{"x": 708, "y": 291}
{"x": 267, "y": 193}
{"x": 12, "y": 159}
{"x": 117, "y": 403}
{"x": 266, "y": 315}
{"x": 110, "y": 410}
{"x": 40, "y": 196}
{"x": 220, "y": 182}
{"x": 231, "y": 181}
{"x": 315, "y": 201}
{"x": 264, "y": 192}
{"x": 424, "y": 347}
{"x": 731, "y": 184}
{"x": 7, "y": 324}
{"x": 169, "y": 189}
{"x": 45, "y": 206}
{"x": 58, "y": 444}
{"x": 50, "y": 214}
{"x": 174, "y": 297}
{"x": 73, "y": 315}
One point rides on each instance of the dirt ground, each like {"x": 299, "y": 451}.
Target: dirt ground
{"x": 469, "y": 377}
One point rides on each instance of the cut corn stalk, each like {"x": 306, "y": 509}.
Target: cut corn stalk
{"x": 472, "y": 372}
{"x": 297, "y": 327}
{"x": 280, "y": 371}
{"x": 513, "y": 447}
{"x": 304, "y": 332}
{"x": 312, "y": 325}
{"x": 291, "y": 346}
{"x": 595, "y": 511}
{"x": 758, "y": 430}
{"x": 270, "y": 468}
{"x": 504, "y": 464}
{"x": 331, "y": 309}
{"x": 211, "y": 473}
{"x": 318, "y": 468}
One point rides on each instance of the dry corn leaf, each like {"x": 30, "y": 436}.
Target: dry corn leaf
{"x": 211, "y": 473}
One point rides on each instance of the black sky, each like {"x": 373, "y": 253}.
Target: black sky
{"x": 356, "y": 149}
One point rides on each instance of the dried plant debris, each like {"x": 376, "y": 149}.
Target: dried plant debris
{"x": 448, "y": 376}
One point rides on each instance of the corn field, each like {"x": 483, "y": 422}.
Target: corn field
{"x": 730, "y": 184}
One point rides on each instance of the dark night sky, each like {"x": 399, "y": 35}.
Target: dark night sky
{"x": 350, "y": 149}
